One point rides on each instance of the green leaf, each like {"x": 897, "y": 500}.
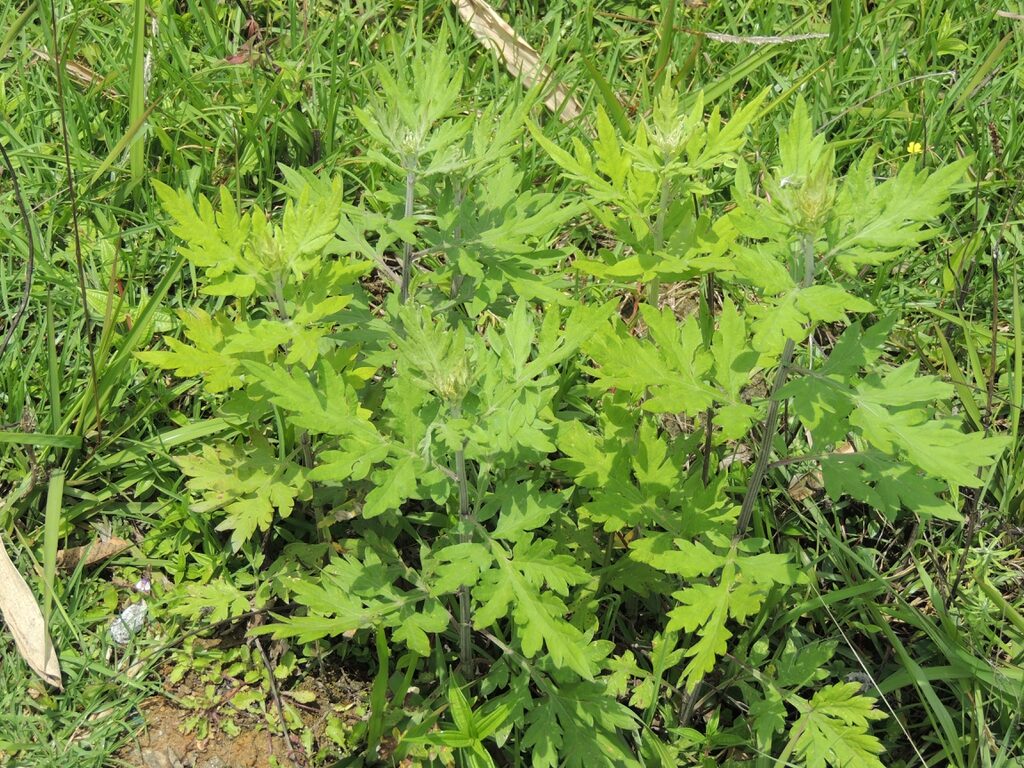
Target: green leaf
{"x": 880, "y": 220}
{"x": 417, "y": 621}
{"x": 537, "y": 562}
{"x": 585, "y": 457}
{"x": 619, "y": 505}
{"x": 703, "y": 609}
{"x": 828, "y": 303}
{"x": 799, "y": 147}
{"x": 799, "y": 665}
{"x": 678, "y": 557}
{"x": 671, "y": 364}
{"x": 394, "y": 485}
{"x": 759, "y": 265}
{"x": 887, "y": 485}
{"x": 263, "y": 336}
{"x": 768, "y": 716}
{"x": 331, "y": 407}
{"x": 308, "y": 225}
{"x": 655, "y": 470}
{"x": 216, "y": 600}
{"x": 575, "y": 166}
{"x": 524, "y": 507}
{"x": 904, "y": 386}
{"x": 207, "y": 358}
{"x": 611, "y": 160}
{"x": 730, "y": 347}
{"x": 833, "y": 729}
{"x": 823, "y": 402}
{"x": 352, "y": 593}
{"x": 775, "y": 325}
{"x": 214, "y": 240}
{"x": 796, "y": 312}
{"x": 579, "y": 726}
{"x": 462, "y": 712}
{"x": 555, "y": 344}
{"x": 768, "y": 568}
{"x": 492, "y": 721}
{"x": 937, "y": 446}
{"x": 538, "y": 615}
{"x": 251, "y": 484}
{"x": 735, "y": 366}
{"x": 458, "y": 565}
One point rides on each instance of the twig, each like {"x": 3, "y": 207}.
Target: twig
{"x": 276, "y": 696}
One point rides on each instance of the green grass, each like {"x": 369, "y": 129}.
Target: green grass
{"x": 945, "y": 74}
{"x": 98, "y": 709}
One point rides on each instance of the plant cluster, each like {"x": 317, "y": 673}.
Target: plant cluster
{"x": 508, "y": 462}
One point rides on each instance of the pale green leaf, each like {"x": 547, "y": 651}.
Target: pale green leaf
{"x": 833, "y": 729}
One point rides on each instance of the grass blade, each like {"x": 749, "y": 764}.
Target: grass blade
{"x": 51, "y": 538}
{"x": 666, "y": 37}
{"x": 37, "y": 438}
{"x": 137, "y": 96}
{"x": 608, "y": 97}
{"x": 16, "y": 27}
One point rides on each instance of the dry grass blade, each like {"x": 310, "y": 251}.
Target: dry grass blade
{"x": 78, "y": 72}
{"x": 91, "y": 553}
{"x": 25, "y": 621}
{"x": 720, "y": 37}
{"x": 519, "y": 57}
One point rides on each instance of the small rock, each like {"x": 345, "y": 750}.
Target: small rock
{"x": 161, "y": 758}
{"x": 131, "y": 620}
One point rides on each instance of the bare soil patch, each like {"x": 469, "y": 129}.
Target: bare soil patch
{"x": 171, "y": 740}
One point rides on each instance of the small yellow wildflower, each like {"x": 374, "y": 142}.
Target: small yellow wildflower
{"x": 915, "y": 148}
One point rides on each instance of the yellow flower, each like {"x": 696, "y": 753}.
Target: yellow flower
{"x": 915, "y": 148}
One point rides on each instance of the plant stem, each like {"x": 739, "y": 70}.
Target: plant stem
{"x": 761, "y": 468}
{"x": 282, "y": 306}
{"x": 457, "y": 277}
{"x": 654, "y": 288}
{"x": 305, "y": 443}
{"x": 410, "y": 196}
{"x": 465, "y": 535}
{"x": 707, "y": 328}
